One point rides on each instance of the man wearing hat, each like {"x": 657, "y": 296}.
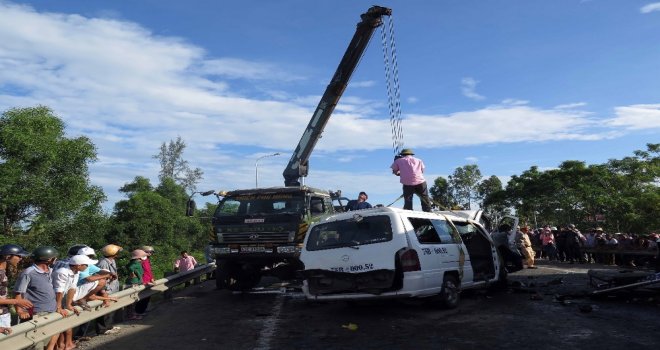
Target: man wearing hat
{"x": 65, "y": 282}
{"x": 410, "y": 171}
{"x": 360, "y": 203}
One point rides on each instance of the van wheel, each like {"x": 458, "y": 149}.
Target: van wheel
{"x": 450, "y": 293}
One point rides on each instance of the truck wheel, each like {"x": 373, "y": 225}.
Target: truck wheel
{"x": 450, "y": 293}
{"x": 222, "y": 275}
{"x": 246, "y": 277}
{"x": 236, "y": 277}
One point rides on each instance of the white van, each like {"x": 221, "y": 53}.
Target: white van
{"x": 390, "y": 252}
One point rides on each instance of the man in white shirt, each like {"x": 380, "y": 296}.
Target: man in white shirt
{"x": 65, "y": 281}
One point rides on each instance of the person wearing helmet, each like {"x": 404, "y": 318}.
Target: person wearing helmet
{"x": 108, "y": 263}
{"x": 10, "y": 255}
{"x": 36, "y": 285}
{"x": 147, "y": 280}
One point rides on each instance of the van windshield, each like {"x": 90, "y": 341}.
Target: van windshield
{"x": 350, "y": 233}
{"x": 263, "y": 204}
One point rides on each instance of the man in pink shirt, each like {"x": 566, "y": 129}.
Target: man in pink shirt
{"x": 411, "y": 174}
{"x": 185, "y": 262}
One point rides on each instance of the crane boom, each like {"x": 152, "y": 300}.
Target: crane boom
{"x": 298, "y": 164}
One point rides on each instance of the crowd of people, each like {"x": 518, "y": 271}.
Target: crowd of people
{"x": 568, "y": 244}
{"x": 48, "y": 284}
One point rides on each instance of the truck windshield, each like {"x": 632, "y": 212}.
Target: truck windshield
{"x": 350, "y": 233}
{"x": 261, "y": 204}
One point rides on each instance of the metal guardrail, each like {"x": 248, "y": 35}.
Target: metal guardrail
{"x": 38, "y": 330}
{"x": 645, "y": 252}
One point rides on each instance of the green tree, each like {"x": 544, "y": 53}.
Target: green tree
{"x": 156, "y": 217}
{"x": 173, "y": 166}
{"x": 490, "y": 194}
{"x": 176, "y": 194}
{"x": 624, "y": 192}
{"x": 463, "y": 184}
{"x": 440, "y": 193}
{"x": 633, "y": 184}
{"x": 44, "y": 175}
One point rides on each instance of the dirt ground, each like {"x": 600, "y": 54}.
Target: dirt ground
{"x": 526, "y": 314}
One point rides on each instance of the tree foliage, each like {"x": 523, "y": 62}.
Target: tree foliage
{"x": 156, "y": 217}
{"x": 463, "y": 184}
{"x": 44, "y": 175}
{"x": 621, "y": 195}
{"x": 441, "y": 194}
{"x": 173, "y": 166}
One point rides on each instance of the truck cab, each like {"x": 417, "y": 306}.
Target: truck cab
{"x": 259, "y": 231}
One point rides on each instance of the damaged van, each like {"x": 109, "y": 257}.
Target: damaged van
{"x": 395, "y": 253}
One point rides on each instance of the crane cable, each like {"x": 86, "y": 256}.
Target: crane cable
{"x": 392, "y": 83}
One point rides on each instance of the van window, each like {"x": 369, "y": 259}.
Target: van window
{"x": 344, "y": 233}
{"x": 466, "y": 229}
{"x": 446, "y": 231}
{"x": 425, "y": 231}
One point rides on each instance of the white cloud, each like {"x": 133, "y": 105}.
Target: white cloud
{"x": 412, "y": 100}
{"x": 654, "y": 6}
{"x": 468, "y": 88}
{"x": 514, "y": 102}
{"x": 571, "y": 105}
{"x": 472, "y": 159}
{"x": 636, "y": 117}
{"x": 362, "y": 84}
{"x": 235, "y": 68}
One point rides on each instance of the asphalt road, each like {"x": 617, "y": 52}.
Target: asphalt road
{"x": 525, "y": 315}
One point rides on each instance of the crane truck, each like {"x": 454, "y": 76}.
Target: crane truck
{"x": 261, "y": 230}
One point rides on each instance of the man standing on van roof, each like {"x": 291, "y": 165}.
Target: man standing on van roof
{"x": 411, "y": 174}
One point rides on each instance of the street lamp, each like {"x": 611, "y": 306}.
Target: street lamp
{"x": 256, "y": 168}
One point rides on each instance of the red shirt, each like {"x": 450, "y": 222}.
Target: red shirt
{"x": 148, "y": 276}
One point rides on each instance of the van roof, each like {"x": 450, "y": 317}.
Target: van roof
{"x": 382, "y": 210}
{"x": 465, "y": 214}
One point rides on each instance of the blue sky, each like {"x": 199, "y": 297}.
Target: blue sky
{"x": 502, "y": 84}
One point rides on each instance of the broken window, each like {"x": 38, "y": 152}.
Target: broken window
{"x": 425, "y": 231}
{"x": 368, "y": 230}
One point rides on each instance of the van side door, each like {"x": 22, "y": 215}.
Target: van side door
{"x": 457, "y": 258}
{"x": 436, "y": 249}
